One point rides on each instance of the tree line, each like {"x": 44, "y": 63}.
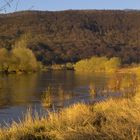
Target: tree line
{"x": 69, "y": 36}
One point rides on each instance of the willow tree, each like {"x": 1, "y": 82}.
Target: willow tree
{"x": 20, "y": 58}
{"x": 3, "y": 59}
{"x": 26, "y": 59}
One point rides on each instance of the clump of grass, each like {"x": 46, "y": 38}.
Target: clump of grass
{"x": 47, "y": 99}
{"x": 92, "y": 90}
{"x": 111, "y": 119}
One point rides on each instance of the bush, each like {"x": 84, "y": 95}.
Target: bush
{"x": 98, "y": 64}
{"x": 26, "y": 59}
{"x": 20, "y": 58}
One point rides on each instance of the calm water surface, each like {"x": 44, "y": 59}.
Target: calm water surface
{"x": 19, "y": 92}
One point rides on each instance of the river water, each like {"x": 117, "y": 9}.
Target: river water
{"x": 20, "y": 92}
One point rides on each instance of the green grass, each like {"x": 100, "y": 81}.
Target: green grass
{"x": 109, "y": 120}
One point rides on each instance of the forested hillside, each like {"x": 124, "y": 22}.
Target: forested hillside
{"x": 68, "y": 36}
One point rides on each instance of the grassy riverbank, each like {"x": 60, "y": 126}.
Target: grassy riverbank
{"x": 111, "y": 119}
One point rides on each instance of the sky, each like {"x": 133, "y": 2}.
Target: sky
{"x": 57, "y": 5}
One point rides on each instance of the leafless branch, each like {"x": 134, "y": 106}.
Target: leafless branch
{"x": 5, "y": 5}
{"x": 17, "y": 5}
{"x": 31, "y": 7}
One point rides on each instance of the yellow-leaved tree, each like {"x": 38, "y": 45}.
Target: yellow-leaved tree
{"x": 26, "y": 59}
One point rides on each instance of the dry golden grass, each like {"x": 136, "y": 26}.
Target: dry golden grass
{"x": 92, "y": 90}
{"x": 48, "y": 100}
{"x": 47, "y": 97}
{"x": 112, "y": 119}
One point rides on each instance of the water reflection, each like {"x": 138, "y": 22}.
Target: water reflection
{"x": 23, "y": 89}
{"x": 20, "y": 91}
{"x": 17, "y": 89}
{"x": 122, "y": 85}
{"x": 125, "y": 84}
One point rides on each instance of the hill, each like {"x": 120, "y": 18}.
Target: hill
{"x": 68, "y": 36}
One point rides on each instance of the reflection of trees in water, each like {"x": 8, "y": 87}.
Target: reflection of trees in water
{"x": 128, "y": 85}
{"x": 123, "y": 84}
{"x": 23, "y": 88}
{"x": 16, "y": 89}
{"x": 26, "y": 88}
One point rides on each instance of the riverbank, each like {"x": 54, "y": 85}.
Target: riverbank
{"x": 130, "y": 69}
{"x": 111, "y": 119}
{"x": 87, "y": 66}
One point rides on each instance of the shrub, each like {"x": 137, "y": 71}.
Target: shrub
{"x": 98, "y": 64}
{"x": 20, "y": 58}
{"x": 26, "y": 59}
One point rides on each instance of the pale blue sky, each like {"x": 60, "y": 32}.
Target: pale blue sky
{"x": 53, "y": 5}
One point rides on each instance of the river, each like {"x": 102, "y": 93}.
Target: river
{"x": 20, "y": 92}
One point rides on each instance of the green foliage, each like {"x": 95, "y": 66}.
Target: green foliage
{"x": 97, "y": 64}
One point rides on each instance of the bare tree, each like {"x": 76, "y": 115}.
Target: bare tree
{"x": 17, "y": 5}
{"x": 7, "y": 3}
